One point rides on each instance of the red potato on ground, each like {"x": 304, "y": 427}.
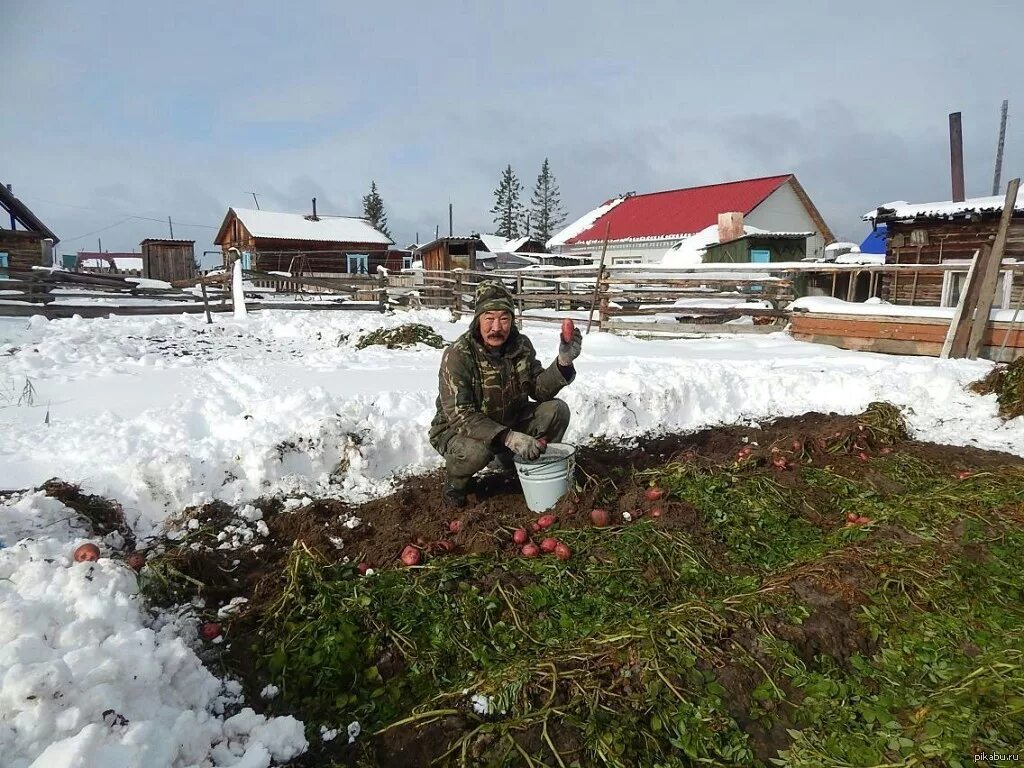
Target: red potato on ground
{"x": 520, "y": 536}
{"x": 562, "y": 551}
{"x": 410, "y": 556}
{"x": 654, "y": 493}
{"x": 546, "y": 521}
{"x": 656, "y": 511}
{"x": 87, "y": 553}
{"x": 211, "y": 630}
{"x": 600, "y": 517}
{"x": 136, "y": 561}
{"x": 362, "y": 568}
{"x": 455, "y": 526}
{"x": 549, "y": 545}
{"x": 530, "y": 550}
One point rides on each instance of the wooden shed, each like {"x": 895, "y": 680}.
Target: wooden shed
{"x": 312, "y": 245}
{"x": 447, "y": 253}
{"x": 759, "y": 248}
{"x": 25, "y": 242}
{"x": 947, "y": 233}
{"x": 169, "y": 259}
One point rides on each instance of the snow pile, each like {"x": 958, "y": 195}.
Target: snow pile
{"x": 691, "y": 250}
{"x": 88, "y": 679}
{"x": 876, "y": 306}
{"x": 163, "y": 413}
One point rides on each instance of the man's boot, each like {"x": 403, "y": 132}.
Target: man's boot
{"x": 454, "y": 493}
{"x": 503, "y": 463}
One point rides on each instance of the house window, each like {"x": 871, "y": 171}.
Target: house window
{"x": 626, "y": 260}
{"x": 954, "y": 282}
{"x": 357, "y": 264}
{"x": 407, "y": 262}
{"x": 760, "y": 256}
{"x": 4, "y": 260}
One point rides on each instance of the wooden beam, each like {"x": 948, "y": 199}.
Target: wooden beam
{"x": 689, "y": 329}
{"x": 990, "y": 278}
{"x": 971, "y": 294}
{"x": 958, "y": 313}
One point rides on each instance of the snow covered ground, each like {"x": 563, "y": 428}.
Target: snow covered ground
{"x": 164, "y": 412}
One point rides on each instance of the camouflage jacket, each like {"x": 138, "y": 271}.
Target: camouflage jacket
{"x": 482, "y": 393}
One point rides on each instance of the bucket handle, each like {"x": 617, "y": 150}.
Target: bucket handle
{"x": 570, "y": 466}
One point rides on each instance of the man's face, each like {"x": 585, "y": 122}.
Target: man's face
{"x": 495, "y": 327}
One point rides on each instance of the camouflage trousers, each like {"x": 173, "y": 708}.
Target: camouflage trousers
{"x": 464, "y": 456}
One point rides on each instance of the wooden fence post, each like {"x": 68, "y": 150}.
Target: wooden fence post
{"x": 206, "y": 302}
{"x": 602, "y": 307}
{"x": 519, "y": 301}
{"x": 382, "y": 292}
{"x": 457, "y": 297}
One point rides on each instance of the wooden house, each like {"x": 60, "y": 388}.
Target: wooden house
{"x": 312, "y": 245}
{"x": 947, "y": 233}
{"x": 641, "y": 228}
{"x": 169, "y": 259}
{"x": 447, "y": 253}
{"x": 25, "y": 242}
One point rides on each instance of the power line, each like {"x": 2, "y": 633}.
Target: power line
{"x": 96, "y": 231}
{"x": 125, "y": 221}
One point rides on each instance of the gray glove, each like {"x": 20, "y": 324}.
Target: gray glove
{"x": 522, "y": 445}
{"x": 569, "y": 352}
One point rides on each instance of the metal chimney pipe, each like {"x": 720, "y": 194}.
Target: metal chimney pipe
{"x": 956, "y": 156}
{"x": 314, "y": 207}
{"x": 13, "y": 222}
{"x": 451, "y": 232}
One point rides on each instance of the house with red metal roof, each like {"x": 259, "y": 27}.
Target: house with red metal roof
{"x": 641, "y": 228}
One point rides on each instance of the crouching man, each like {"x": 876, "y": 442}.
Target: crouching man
{"x": 496, "y": 400}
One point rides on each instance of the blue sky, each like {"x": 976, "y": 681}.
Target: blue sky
{"x": 114, "y": 110}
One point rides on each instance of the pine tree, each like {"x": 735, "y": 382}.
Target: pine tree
{"x": 373, "y": 210}
{"x": 546, "y": 205}
{"x": 507, "y": 210}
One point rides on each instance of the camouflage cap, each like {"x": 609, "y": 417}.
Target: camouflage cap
{"x": 493, "y": 297}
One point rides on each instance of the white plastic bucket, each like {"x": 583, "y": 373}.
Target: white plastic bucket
{"x": 546, "y": 479}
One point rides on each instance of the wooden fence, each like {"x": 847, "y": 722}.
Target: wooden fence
{"x": 705, "y": 299}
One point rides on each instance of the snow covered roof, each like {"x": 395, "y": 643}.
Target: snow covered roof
{"x": 519, "y": 242}
{"x": 295, "y": 226}
{"x": 840, "y": 245}
{"x": 669, "y": 213}
{"x": 901, "y": 210}
{"x": 583, "y": 223}
{"x": 496, "y": 243}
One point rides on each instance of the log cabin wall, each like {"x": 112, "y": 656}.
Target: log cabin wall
{"x": 943, "y": 241}
{"x": 24, "y": 249}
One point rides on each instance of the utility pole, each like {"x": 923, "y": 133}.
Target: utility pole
{"x": 255, "y": 200}
{"x": 999, "y": 150}
{"x": 99, "y": 244}
{"x": 170, "y": 226}
{"x": 451, "y": 232}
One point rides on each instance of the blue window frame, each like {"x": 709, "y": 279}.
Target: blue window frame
{"x": 4, "y": 260}
{"x": 246, "y": 260}
{"x": 357, "y": 264}
{"x": 759, "y": 256}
